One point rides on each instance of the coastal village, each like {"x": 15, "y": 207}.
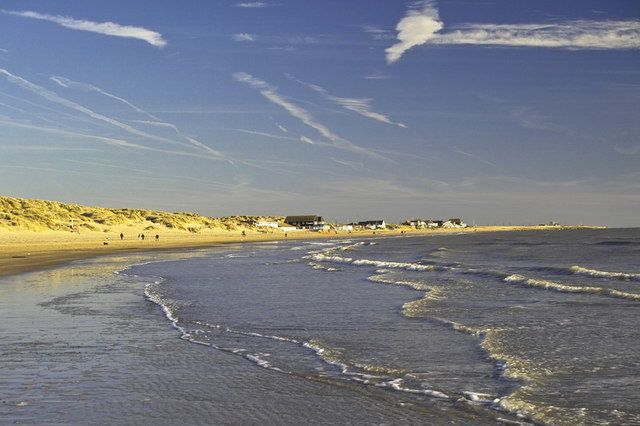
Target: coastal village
{"x": 318, "y": 224}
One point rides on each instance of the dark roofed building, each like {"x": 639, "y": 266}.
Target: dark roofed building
{"x": 307, "y": 222}
{"x": 373, "y": 224}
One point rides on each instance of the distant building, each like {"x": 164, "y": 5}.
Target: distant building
{"x": 454, "y": 223}
{"x": 306, "y": 222}
{"x": 373, "y": 224}
{"x": 416, "y": 223}
{"x": 265, "y": 224}
{"x": 345, "y": 228}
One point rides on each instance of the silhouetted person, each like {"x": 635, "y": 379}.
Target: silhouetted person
{"x": 244, "y": 234}
{"x": 121, "y": 236}
{"x": 157, "y": 237}
{"x": 142, "y": 237}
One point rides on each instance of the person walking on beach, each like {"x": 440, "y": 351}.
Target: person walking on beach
{"x": 142, "y": 237}
{"x": 121, "y": 236}
{"x": 157, "y": 237}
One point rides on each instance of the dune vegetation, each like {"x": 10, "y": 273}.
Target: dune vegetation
{"x": 39, "y": 215}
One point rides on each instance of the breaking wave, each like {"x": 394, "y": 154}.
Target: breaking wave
{"x": 579, "y": 270}
{"x": 566, "y": 288}
{"x": 329, "y": 257}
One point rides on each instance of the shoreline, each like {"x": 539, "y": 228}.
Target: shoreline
{"x": 28, "y": 251}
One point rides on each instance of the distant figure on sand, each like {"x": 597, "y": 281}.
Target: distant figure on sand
{"x": 142, "y": 237}
{"x": 121, "y": 236}
{"x": 157, "y": 237}
{"x": 244, "y": 234}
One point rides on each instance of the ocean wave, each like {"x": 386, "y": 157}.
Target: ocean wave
{"x": 397, "y": 385}
{"x": 331, "y": 258}
{"x": 395, "y": 265}
{"x": 413, "y": 308}
{"x": 579, "y": 270}
{"x": 566, "y": 288}
{"x": 322, "y": 267}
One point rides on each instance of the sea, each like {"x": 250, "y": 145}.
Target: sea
{"x": 529, "y": 327}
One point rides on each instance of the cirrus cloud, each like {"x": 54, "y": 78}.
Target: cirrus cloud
{"x": 106, "y": 28}
{"x": 422, "y": 25}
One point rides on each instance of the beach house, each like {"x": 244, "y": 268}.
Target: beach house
{"x": 373, "y": 224}
{"x": 312, "y": 222}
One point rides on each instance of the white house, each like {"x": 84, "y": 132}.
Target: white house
{"x": 373, "y": 224}
{"x": 265, "y": 224}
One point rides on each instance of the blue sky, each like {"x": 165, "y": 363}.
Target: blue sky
{"x": 511, "y": 111}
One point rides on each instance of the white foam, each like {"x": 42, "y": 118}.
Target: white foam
{"x": 324, "y": 257}
{"x": 566, "y": 288}
{"x": 397, "y": 385}
{"x": 603, "y": 274}
{"x": 393, "y": 265}
{"x": 482, "y": 398}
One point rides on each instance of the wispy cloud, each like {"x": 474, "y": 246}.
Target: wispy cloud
{"x": 422, "y": 25}
{"x": 265, "y": 134}
{"x": 352, "y": 164}
{"x": 155, "y": 121}
{"x": 272, "y": 95}
{"x": 243, "y": 37}
{"x": 476, "y": 157}
{"x": 307, "y": 140}
{"x": 629, "y": 150}
{"x": 86, "y": 87}
{"x": 377, "y": 33}
{"x": 77, "y": 135}
{"x": 3, "y": 50}
{"x": 361, "y": 106}
{"x": 106, "y": 28}
{"x": 251, "y": 5}
{"x": 570, "y": 35}
{"x": 55, "y": 98}
{"x": 376, "y": 76}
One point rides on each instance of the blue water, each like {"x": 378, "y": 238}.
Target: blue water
{"x": 531, "y": 326}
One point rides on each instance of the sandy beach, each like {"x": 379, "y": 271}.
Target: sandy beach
{"x": 24, "y": 251}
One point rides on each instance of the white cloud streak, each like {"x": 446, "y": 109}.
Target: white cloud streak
{"x": 361, "y": 106}
{"x": 108, "y": 141}
{"x": 65, "y": 82}
{"x": 272, "y": 95}
{"x": 251, "y": 5}
{"x": 629, "y": 150}
{"x": 53, "y": 97}
{"x": 457, "y": 150}
{"x": 265, "y": 134}
{"x": 243, "y": 37}
{"x": 307, "y": 140}
{"x": 86, "y": 87}
{"x": 422, "y": 25}
{"x": 105, "y": 28}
